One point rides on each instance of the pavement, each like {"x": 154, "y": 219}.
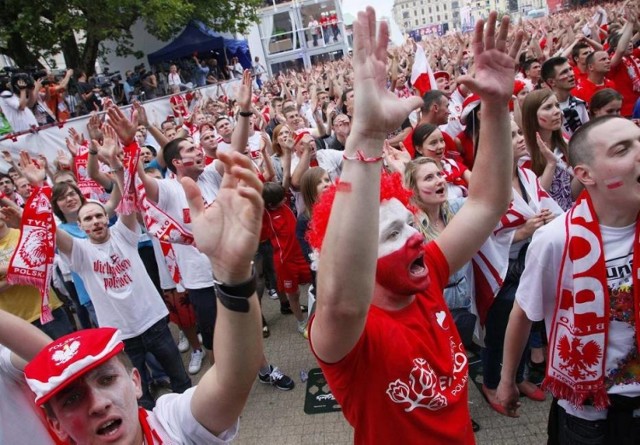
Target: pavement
{"x": 277, "y": 417}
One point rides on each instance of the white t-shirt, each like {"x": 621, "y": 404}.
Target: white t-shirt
{"x": 173, "y": 421}
{"x": 19, "y": 120}
{"x": 195, "y": 268}
{"x": 122, "y": 293}
{"x": 253, "y": 142}
{"x": 540, "y": 278}
{"x": 174, "y": 79}
{"x": 18, "y": 412}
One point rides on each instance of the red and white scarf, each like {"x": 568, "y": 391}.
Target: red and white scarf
{"x": 88, "y": 187}
{"x": 158, "y": 222}
{"x": 32, "y": 261}
{"x": 454, "y": 174}
{"x": 579, "y": 331}
{"x": 130, "y": 164}
{"x": 633, "y": 70}
{"x": 491, "y": 263}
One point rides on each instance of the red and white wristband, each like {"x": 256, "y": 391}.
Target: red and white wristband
{"x": 360, "y": 157}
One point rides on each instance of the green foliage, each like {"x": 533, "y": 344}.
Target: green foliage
{"x": 41, "y": 28}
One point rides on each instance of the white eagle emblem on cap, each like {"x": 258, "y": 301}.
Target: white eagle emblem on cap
{"x": 66, "y": 353}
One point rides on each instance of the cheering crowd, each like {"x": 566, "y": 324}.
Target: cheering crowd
{"x": 468, "y": 193}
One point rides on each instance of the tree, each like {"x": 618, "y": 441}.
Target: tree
{"x": 41, "y": 28}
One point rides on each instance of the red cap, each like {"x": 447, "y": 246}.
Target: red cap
{"x": 66, "y": 359}
{"x": 471, "y": 102}
{"x": 299, "y": 134}
{"x": 441, "y": 74}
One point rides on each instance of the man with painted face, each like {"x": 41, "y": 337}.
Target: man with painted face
{"x": 381, "y": 332}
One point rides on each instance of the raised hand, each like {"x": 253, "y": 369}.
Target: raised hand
{"x": 32, "y": 169}
{"x": 6, "y": 157}
{"x": 244, "y": 92}
{"x": 142, "y": 114}
{"x": 377, "y": 111}
{"x": 94, "y": 126}
{"x": 109, "y": 149}
{"x": 395, "y": 159}
{"x": 12, "y": 217}
{"x": 78, "y": 138}
{"x": 125, "y": 128}
{"x": 63, "y": 160}
{"x": 545, "y": 151}
{"x": 494, "y": 67}
{"x": 228, "y": 230}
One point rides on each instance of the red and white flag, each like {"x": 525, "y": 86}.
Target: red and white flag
{"x": 421, "y": 73}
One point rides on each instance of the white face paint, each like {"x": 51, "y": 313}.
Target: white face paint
{"x": 400, "y": 266}
{"x": 396, "y": 227}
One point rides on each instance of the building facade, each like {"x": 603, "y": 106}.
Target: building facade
{"x": 299, "y": 34}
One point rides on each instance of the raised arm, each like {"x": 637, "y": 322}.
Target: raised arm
{"x": 490, "y": 187}
{"x": 240, "y": 134}
{"x": 346, "y": 276}
{"x": 228, "y": 232}
{"x": 24, "y": 339}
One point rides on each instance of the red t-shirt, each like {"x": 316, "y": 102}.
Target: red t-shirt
{"x": 620, "y": 76}
{"x": 279, "y": 226}
{"x": 405, "y": 381}
{"x": 585, "y": 89}
{"x": 579, "y": 75}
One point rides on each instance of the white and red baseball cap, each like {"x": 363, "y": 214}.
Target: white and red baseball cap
{"x": 470, "y": 103}
{"x": 299, "y": 134}
{"x": 66, "y": 359}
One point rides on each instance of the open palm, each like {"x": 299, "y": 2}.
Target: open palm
{"x": 229, "y": 229}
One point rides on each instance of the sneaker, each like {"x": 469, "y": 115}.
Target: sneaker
{"x": 285, "y": 309}
{"x": 195, "y": 364}
{"x": 273, "y": 294}
{"x": 302, "y": 328}
{"x": 265, "y": 331}
{"x": 183, "y": 343}
{"x": 277, "y": 379}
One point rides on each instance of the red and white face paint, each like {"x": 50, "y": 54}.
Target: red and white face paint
{"x": 400, "y": 267}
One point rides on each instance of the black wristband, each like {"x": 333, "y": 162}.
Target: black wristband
{"x": 245, "y": 113}
{"x": 93, "y": 152}
{"x": 236, "y": 297}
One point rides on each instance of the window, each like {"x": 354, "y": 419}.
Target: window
{"x": 437, "y": 8}
{"x": 438, "y": 17}
{"x": 405, "y": 15}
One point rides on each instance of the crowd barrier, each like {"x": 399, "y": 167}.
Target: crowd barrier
{"x": 47, "y": 140}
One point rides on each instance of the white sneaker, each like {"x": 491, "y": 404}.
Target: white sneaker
{"x": 195, "y": 363}
{"x": 273, "y": 294}
{"x": 302, "y": 328}
{"x": 183, "y": 343}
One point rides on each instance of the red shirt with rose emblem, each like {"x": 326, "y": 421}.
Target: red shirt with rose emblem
{"x": 405, "y": 381}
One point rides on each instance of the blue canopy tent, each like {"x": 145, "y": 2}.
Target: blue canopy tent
{"x": 197, "y": 37}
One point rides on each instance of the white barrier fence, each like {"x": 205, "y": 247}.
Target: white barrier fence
{"x": 48, "y": 140}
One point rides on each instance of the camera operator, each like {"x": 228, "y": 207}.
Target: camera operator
{"x": 16, "y": 100}
{"x": 89, "y": 94}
